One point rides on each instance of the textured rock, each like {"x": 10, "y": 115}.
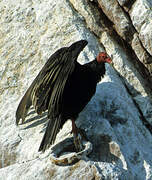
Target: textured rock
{"x": 123, "y": 2}
{"x": 140, "y": 12}
{"x": 146, "y": 36}
{"x": 91, "y": 15}
{"x": 113, "y": 120}
{"x": 141, "y": 15}
{"x": 126, "y": 4}
{"x": 140, "y": 51}
{"x": 121, "y": 22}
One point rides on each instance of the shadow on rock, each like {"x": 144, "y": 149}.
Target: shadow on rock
{"x": 35, "y": 120}
{"x": 102, "y": 151}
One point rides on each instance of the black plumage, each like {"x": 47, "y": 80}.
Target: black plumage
{"x": 63, "y": 87}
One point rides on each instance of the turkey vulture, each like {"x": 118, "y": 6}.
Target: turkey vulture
{"x": 63, "y": 87}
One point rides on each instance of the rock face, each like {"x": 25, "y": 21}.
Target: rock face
{"x": 118, "y": 119}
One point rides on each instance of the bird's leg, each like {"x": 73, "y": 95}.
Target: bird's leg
{"x": 74, "y": 128}
{"x": 77, "y": 137}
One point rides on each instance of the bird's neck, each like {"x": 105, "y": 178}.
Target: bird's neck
{"x": 98, "y": 69}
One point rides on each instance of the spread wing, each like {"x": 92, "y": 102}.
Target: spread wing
{"x": 47, "y": 88}
{"x": 48, "y": 91}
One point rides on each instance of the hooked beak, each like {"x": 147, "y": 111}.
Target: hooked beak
{"x": 112, "y": 64}
{"x": 109, "y": 60}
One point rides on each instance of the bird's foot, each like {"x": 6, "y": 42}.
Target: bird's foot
{"x": 82, "y": 145}
{"x": 77, "y": 142}
{"x": 78, "y": 138}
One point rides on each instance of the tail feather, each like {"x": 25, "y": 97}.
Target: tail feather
{"x": 53, "y": 127}
{"x": 24, "y": 106}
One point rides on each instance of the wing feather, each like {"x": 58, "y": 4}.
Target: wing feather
{"x": 47, "y": 88}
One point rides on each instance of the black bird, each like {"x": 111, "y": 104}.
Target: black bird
{"x": 63, "y": 87}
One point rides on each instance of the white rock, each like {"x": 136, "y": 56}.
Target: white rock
{"x": 140, "y": 12}
{"x": 145, "y": 35}
{"x": 141, "y": 16}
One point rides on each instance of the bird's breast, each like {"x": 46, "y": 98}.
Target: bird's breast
{"x": 79, "y": 89}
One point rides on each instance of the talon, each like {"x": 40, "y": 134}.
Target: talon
{"x": 77, "y": 137}
{"x": 77, "y": 143}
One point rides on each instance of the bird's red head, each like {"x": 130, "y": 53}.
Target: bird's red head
{"x": 103, "y": 57}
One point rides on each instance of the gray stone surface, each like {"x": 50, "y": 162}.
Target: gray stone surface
{"x": 115, "y": 13}
{"x": 141, "y": 16}
{"x": 30, "y": 31}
